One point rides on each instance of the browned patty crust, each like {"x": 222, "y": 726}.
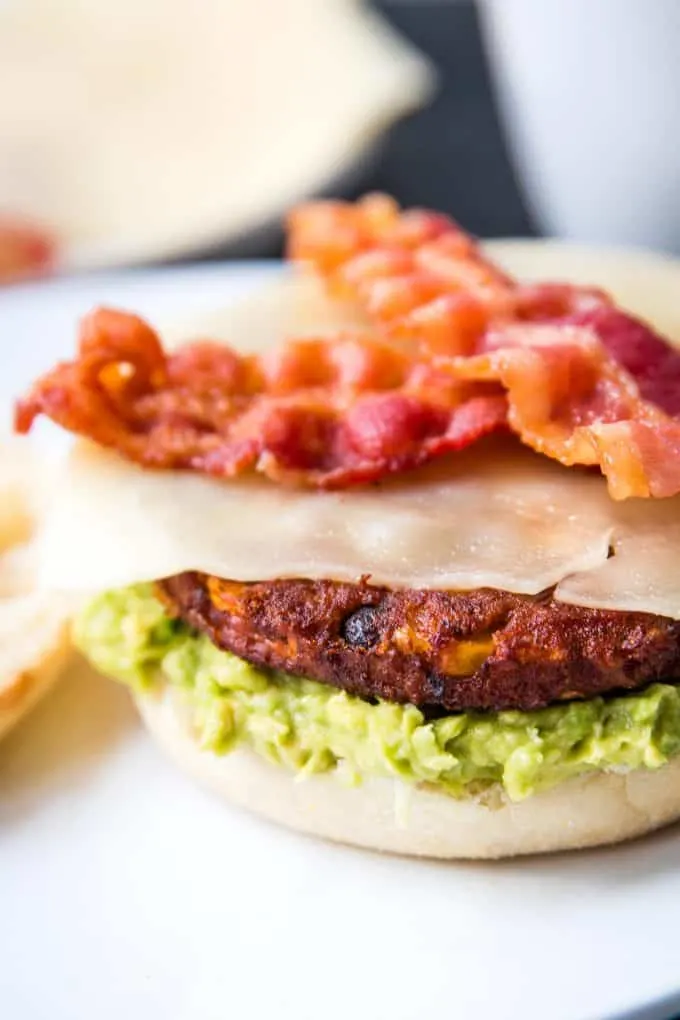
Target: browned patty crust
{"x": 483, "y": 649}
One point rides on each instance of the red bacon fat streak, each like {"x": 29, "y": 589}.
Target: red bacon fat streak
{"x": 453, "y": 349}
{"x": 26, "y": 251}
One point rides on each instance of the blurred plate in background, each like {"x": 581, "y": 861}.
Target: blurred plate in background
{"x": 152, "y": 129}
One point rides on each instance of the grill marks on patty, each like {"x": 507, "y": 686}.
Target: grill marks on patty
{"x": 483, "y": 649}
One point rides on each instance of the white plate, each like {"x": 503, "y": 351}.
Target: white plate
{"x": 127, "y": 893}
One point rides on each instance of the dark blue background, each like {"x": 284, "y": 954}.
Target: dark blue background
{"x": 451, "y": 156}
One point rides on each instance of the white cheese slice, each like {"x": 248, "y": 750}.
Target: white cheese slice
{"x": 497, "y": 515}
{"x": 476, "y": 520}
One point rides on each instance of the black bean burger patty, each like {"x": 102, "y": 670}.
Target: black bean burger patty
{"x": 483, "y": 649}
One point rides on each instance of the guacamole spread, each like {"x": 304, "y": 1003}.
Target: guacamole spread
{"x": 310, "y": 727}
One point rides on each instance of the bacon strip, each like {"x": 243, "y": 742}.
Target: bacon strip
{"x": 598, "y": 388}
{"x": 570, "y": 400}
{"x": 327, "y": 412}
{"x": 457, "y": 350}
{"x": 417, "y": 274}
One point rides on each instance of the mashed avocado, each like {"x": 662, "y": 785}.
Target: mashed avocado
{"x": 310, "y": 727}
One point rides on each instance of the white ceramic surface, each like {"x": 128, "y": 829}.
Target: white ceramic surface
{"x": 590, "y": 91}
{"x": 127, "y": 893}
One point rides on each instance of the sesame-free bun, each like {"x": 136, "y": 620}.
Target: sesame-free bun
{"x": 34, "y": 625}
{"x": 390, "y": 815}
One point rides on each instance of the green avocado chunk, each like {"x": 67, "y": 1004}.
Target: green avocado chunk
{"x": 310, "y": 727}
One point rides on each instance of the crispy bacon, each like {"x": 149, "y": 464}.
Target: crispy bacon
{"x": 570, "y": 400}
{"x": 417, "y": 274}
{"x": 25, "y": 251}
{"x": 456, "y": 350}
{"x": 330, "y": 412}
{"x": 599, "y": 387}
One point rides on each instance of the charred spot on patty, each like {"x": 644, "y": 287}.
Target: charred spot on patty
{"x": 361, "y": 628}
{"x": 437, "y": 687}
{"x": 482, "y": 649}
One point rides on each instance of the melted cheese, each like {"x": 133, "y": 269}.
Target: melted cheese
{"x": 497, "y": 515}
{"x": 493, "y": 517}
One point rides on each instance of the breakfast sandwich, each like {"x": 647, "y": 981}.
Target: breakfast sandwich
{"x": 392, "y": 556}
